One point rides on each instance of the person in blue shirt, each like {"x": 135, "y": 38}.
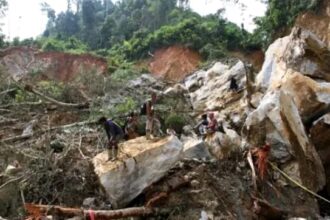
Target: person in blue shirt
{"x": 114, "y": 134}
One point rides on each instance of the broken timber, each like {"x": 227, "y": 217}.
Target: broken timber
{"x": 43, "y": 210}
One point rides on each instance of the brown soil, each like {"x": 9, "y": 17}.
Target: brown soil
{"x": 317, "y": 23}
{"x": 256, "y": 58}
{"x": 174, "y": 63}
{"x": 55, "y": 65}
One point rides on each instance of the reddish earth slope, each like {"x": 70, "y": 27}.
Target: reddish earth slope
{"x": 174, "y": 63}
{"x": 19, "y": 61}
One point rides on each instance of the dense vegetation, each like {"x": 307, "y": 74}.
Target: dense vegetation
{"x": 131, "y": 29}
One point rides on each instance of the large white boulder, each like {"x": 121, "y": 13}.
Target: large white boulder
{"x": 140, "y": 163}
{"x": 194, "y": 148}
{"x": 278, "y": 122}
{"x": 214, "y": 92}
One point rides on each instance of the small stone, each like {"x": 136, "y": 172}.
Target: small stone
{"x": 195, "y": 183}
{"x": 89, "y": 202}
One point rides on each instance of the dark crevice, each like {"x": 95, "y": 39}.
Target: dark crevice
{"x": 324, "y": 206}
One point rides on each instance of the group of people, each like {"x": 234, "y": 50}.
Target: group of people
{"x": 208, "y": 125}
{"x": 115, "y": 133}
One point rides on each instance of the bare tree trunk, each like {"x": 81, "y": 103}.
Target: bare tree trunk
{"x": 29, "y": 88}
{"x": 249, "y": 84}
{"x": 97, "y": 214}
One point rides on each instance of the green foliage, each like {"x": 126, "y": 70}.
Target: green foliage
{"x": 175, "y": 122}
{"x": 23, "y": 96}
{"x": 126, "y": 106}
{"x": 53, "y": 45}
{"x": 212, "y": 36}
{"x": 131, "y": 29}
{"x": 51, "y": 88}
{"x": 70, "y": 45}
{"x": 280, "y": 15}
{"x": 123, "y": 75}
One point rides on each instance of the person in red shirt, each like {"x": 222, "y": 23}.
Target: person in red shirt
{"x": 213, "y": 124}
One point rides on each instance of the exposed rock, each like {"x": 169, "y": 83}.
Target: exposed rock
{"x": 90, "y": 202}
{"x": 141, "y": 163}
{"x": 174, "y": 63}
{"x": 214, "y": 93}
{"x": 195, "y": 148}
{"x": 194, "y": 183}
{"x": 278, "y": 113}
{"x": 28, "y": 130}
{"x": 221, "y": 145}
{"x": 216, "y": 70}
{"x": 195, "y": 81}
{"x": 297, "y": 65}
{"x": 9, "y": 197}
{"x": 317, "y": 23}
{"x": 19, "y": 61}
{"x": 321, "y": 139}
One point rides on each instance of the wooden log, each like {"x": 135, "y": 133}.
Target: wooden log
{"x": 30, "y": 88}
{"x": 8, "y": 91}
{"x": 58, "y": 211}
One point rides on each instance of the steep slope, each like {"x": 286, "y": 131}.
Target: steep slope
{"x": 19, "y": 61}
{"x": 174, "y": 63}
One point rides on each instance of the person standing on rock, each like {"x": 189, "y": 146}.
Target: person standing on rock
{"x": 131, "y": 127}
{"x": 201, "y": 127}
{"x": 150, "y": 111}
{"x": 233, "y": 84}
{"x": 114, "y": 133}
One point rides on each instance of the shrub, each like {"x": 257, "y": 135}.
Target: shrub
{"x": 53, "y": 45}
{"x": 175, "y": 122}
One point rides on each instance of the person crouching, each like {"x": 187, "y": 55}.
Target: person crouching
{"x": 114, "y": 134}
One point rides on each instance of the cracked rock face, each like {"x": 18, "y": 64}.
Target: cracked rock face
{"x": 296, "y": 88}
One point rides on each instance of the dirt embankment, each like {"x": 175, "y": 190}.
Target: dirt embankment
{"x": 19, "y": 61}
{"x": 256, "y": 57}
{"x": 174, "y": 63}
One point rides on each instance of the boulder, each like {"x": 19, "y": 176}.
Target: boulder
{"x": 310, "y": 96}
{"x": 321, "y": 139}
{"x": 140, "y": 163}
{"x": 277, "y": 114}
{"x": 214, "y": 92}
{"x": 195, "y": 81}
{"x": 295, "y": 81}
{"x": 220, "y": 145}
{"x": 195, "y": 148}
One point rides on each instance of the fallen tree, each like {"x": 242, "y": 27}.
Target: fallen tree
{"x": 37, "y": 211}
{"x": 30, "y": 88}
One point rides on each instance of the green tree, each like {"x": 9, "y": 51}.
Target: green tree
{"x": 67, "y": 24}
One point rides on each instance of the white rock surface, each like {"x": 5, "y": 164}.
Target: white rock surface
{"x": 141, "y": 163}
{"x": 195, "y": 148}
{"x": 278, "y": 113}
{"x": 213, "y": 91}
